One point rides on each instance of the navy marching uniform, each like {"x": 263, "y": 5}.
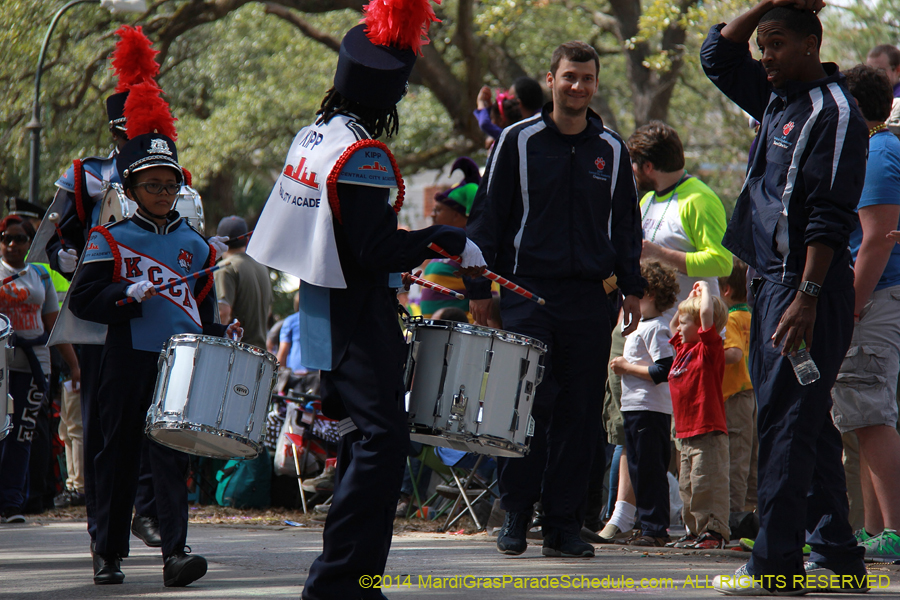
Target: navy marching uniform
{"x": 78, "y": 203}
{"x": 117, "y": 258}
{"x": 331, "y": 201}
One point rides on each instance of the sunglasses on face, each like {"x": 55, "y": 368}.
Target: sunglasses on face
{"x": 9, "y": 238}
{"x": 158, "y": 188}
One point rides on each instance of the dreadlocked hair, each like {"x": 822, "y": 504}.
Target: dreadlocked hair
{"x": 377, "y": 120}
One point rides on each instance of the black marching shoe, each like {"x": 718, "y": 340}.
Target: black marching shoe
{"x": 147, "y": 530}
{"x": 565, "y": 544}
{"x": 511, "y": 539}
{"x": 181, "y": 569}
{"x": 106, "y": 570}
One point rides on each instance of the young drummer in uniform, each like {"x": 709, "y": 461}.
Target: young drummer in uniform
{"x": 126, "y": 259}
{"x": 78, "y": 203}
{"x": 328, "y": 221}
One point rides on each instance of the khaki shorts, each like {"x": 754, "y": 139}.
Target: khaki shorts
{"x": 865, "y": 393}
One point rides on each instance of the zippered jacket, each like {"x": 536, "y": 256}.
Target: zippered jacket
{"x": 554, "y": 206}
{"x": 807, "y": 170}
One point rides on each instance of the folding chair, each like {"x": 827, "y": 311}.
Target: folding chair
{"x": 470, "y": 476}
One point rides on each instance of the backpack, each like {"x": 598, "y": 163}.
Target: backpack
{"x": 246, "y": 483}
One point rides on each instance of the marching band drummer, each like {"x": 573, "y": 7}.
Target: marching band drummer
{"x": 78, "y": 203}
{"x": 126, "y": 259}
{"x": 328, "y": 221}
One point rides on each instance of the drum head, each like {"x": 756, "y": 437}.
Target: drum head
{"x": 193, "y": 440}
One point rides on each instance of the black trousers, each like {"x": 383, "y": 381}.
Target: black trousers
{"x": 369, "y": 383}
{"x": 575, "y": 326}
{"x": 89, "y": 357}
{"x": 648, "y": 448}
{"x": 127, "y": 380}
{"x": 802, "y": 487}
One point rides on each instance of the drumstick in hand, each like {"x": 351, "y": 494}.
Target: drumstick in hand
{"x": 433, "y": 286}
{"x": 503, "y": 281}
{"x": 243, "y": 235}
{"x": 166, "y": 286}
{"x": 54, "y": 218}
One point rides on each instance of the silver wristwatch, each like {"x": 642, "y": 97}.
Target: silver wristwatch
{"x": 810, "y": 288}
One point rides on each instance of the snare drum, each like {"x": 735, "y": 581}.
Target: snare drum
{"x": 6, "y": 400}
{"x": 117, "y": 206}
{"x": 472, "y": 388}
{"x": 211, "y": 396}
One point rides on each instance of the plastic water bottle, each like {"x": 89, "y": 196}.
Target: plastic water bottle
{"x": 804, "y": 367}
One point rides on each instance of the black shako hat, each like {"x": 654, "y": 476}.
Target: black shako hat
{"x": 377, "y": 56}
{"x": 372, "y": 75}
{"x": 145, "y": 151}
{"x": 115, "y": 110}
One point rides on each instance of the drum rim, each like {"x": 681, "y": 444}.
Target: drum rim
{"x": 201, "y": 428}
{"x": 471, "y": 329}
{"x": 7, "y": 330}
{"x": 215, "y": 340}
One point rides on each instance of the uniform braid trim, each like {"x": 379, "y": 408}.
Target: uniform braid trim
{"x": 332, "y": 180}
{"x": 114, "y": 248}
{"x": 209, "y": 278}
{"x": 79, "y": 190}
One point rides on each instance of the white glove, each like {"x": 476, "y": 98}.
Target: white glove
{"x": 471, "y": 256}
{"x": 68, "y": 260}
{"x": 235, "y": 331}
{"x": 138, "y": 290}
{"x": 218, "y": 243}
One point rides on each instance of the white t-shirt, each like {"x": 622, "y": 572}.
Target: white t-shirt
{"x": 24, "y": 301}
{"x": 648, "y": 344}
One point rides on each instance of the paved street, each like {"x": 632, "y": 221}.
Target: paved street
{"x": 50, "y": 560}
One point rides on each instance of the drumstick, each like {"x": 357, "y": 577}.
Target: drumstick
{"x": 433, "y": 286}
{"x": 243, "y": 235}
{"x": 166, "y": 286}
{"x": 54, "y": 218}
{"x": 503, "y": 281}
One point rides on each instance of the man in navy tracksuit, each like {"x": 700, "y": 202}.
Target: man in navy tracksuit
{"x": 557, "y": 214}
{"x": 791, "y": 223}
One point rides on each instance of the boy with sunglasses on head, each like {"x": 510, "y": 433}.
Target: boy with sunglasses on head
{"x": 127, "y": 259}
{"x": 695, "y": 382}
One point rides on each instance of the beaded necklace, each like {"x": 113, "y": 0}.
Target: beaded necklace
{"x": 877, "y": 128}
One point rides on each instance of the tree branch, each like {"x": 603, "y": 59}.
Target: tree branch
{"x": 305, "y": 28}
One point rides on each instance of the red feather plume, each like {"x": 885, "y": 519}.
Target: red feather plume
{"x": 401, "y": 24}
{"x": 147, "y": 112}
{"x": 134, "y": 58}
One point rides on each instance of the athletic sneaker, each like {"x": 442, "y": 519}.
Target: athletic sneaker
{"x": 742, "y": 583}
{"x": 862, "y": 535}
{"x": 823, "y": 580}
{"x": 884, "y": 547}
{"x": 747, "y": 544}
{"x": 709, "y": 540}
{"x": 12, "y": 515}
{"x": 512, "y": 537}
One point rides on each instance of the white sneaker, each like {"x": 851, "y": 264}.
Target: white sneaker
{"x": 742, "y": 583}
{"x": 822, "y": 579}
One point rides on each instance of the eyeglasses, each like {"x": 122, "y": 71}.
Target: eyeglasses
{"x": 157, "y": 188}
{"x": 9, "y": 238}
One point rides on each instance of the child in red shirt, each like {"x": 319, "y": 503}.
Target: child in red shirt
{"x": 695, "y": 382}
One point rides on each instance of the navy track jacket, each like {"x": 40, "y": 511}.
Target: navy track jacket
{"x": 554, "y": 206}
{"x": 807, "y": 172}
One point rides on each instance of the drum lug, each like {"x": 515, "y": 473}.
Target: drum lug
{"x": 539, "y": 375}
{"x": 458, "y": 410}
{"x": 488, "y": 358}
{"x": 460, "y": 400}
{"x": 514, "y": 426}
{"x": 529, "y": 429}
